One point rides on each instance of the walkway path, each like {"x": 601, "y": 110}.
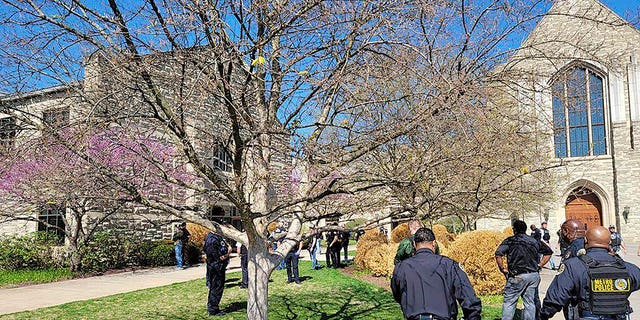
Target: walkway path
{"x": 51, "y": 294}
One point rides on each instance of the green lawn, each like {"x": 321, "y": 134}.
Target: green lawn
{"x": 324, "y": 294}
{"x": 10, "y": 278}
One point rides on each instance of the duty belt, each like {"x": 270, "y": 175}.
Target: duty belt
{"x": 426, "y": 316}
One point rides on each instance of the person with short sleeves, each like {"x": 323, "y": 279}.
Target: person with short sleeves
{"x": 522, "y": 272}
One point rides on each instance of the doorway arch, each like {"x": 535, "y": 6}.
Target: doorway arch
{"x": 584, "y": 205}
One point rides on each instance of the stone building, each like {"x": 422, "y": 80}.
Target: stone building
{"x": 580, "y": 74}
{"x": 108, "y": 90}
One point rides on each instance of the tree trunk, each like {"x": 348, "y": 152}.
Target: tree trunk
{"x": 74, "y": 256}
{"x": 260, "y": 268}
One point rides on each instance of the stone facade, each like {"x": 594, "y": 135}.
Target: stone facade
{"x": 585, "y": 33}
{"x": 113, "y": 88}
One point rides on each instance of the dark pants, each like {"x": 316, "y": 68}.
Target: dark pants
{"x": 345, "y": 247}
{"x": 327, "y": 256}
{"x": 216, "y": 277}
{"x": 292, "y": 267}
{"x": 334, "y": 252}
{"x": 244, "y": 264}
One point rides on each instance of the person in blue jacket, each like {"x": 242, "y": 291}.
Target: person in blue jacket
{"x": 597, "y": 282}
{"x": 429, "y": 286}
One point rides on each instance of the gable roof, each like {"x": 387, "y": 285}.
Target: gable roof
{"x": 578, "y": 30}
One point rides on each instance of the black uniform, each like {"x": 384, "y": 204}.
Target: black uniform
{"x": 244, "y": 265}
{"x": 430, "y": 284}
{"x": 536, "y": 234}
{"x": 345, "y": 244}
{"x": 572, "y": 285}
{"x": 574, "y": 247}
{"x": 216, "y": 249}
{"x": 333, "y": 251}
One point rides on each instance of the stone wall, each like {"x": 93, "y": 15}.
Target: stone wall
{"x": 585, "y": 31}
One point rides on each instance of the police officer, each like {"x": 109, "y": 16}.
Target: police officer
{"x": 427, "y": 285}
{"x": 217, "y": 251}
{"x": 573, "y": 233}
{"x": 244, "y": 266}
{"x": 598, "y": 283}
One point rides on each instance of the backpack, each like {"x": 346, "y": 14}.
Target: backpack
{"x": 214, "y": 247}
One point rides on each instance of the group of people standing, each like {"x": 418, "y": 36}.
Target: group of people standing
{"x": 593, "y": 282}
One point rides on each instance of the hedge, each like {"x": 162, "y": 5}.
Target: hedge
{"x": 475, "y": 251}
{"x": 400, "y": 232}
{"x": 31, "y": 251}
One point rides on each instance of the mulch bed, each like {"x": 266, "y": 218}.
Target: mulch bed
{"x": 381, "y": 282}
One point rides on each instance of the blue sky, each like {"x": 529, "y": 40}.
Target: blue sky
{"x": 624, "y": 8}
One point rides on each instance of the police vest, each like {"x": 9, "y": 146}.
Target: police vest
{"x": 609, "y": 287}
{"x": 615, "y": 240}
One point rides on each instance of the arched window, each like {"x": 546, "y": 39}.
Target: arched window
{"x": 578, "y": 114}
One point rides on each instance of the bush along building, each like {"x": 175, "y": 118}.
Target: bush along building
{"x": 579, "y": 77}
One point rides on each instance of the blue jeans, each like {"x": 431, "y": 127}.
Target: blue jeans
{"x": 292, "y": 267}
{"x": 523, "y": 285}
{"x": 178, "y": 249}
{"x": 314, "y": 255}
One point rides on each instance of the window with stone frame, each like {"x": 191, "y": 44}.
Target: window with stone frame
{"x": 578, "y": 114}
{"x": 56, "y": 118}
{"x": 221, "y": 158}
{"x": 225, "y": 214}
{"x": 51, "y": 219}
{"x": 8, "y": 132}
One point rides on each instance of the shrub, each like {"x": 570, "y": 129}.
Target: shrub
{"x": 475, "y": 251}
{"x": 400, "y": 232}
{"x": 379, "y": 259}
{"x": 33, "y": 251}
{"x": 108, "y": 250}
{"x": 192, "y": 253}
{"x": 443, "y": 236}
{"x": 508, "y": 231}
{"x": 198, "y": 233}
{"x": 156, "y": 253}
{"x": 162, "y": 253}
{"x": 370, "y": 239}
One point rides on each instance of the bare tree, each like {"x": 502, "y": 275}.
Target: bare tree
{"x": 281, "y": 107}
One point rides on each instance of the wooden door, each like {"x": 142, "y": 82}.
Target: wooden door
{"x": 584, "y": 205}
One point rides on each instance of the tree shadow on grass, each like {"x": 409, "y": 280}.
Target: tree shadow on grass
{"x": 331, "y": 306}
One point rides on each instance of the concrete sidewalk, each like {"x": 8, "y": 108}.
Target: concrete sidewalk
{"x": 56, "y": 293}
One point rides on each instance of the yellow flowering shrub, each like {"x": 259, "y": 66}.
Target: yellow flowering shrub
{"x": 508, "y": 231}
{"x": 475, "y": 251}
{"x": 370, "y": 239}
{"x": 379, "y": 259}
{"x": 443, "y": 236}
{"x": 400, "y": 232}
{"x": 197, "y": 234}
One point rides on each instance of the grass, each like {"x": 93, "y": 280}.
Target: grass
{"x": 10, "y": 278}
{"x": 324, "y": 294}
